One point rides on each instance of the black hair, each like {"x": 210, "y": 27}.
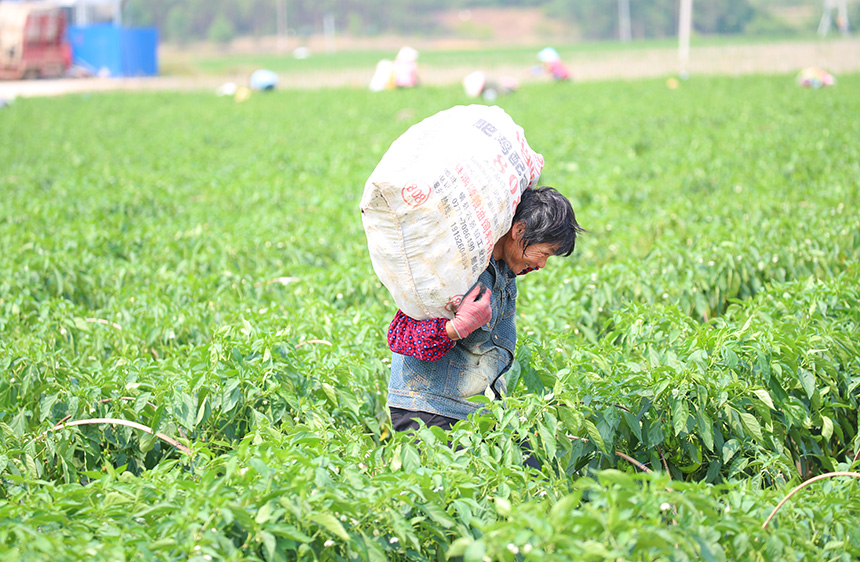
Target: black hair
{"x": 548, "y": 218}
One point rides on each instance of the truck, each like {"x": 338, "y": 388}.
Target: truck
{"x": 33, "y": 41}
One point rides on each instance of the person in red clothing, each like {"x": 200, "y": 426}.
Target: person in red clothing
{"x": 437, "y": 364}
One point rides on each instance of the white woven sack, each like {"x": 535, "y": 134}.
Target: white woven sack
{"x": 439, "y": 200}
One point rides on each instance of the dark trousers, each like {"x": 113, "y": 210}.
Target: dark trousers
{"x": 407, "y": 420}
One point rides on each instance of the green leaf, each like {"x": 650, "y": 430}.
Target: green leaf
{"x": 374, "y": 551}
{"x": 269, "y": 542}
{"x": 475, "y": 552}
{"x": 330, "y": 522}
{"x": 548, "y": 440}
{"x": 566, "y": 504}
{"x": 45, "y": 405}
{"x": 32, "y": 470}
{"x": 730, "y": 449}
{"x": 201, "y": 411}
{"x": 115, "y": 498}
{"x": 147, "y": 441}
{"x": 512, "y": 376}
{"x": 533, "y": 382}
{"x": 633, "y": 423}
{"x": 655, "y": 433}
{"x": 459, "y": 546}
{"x": 594, "y": 435}
{"x": 764, "y": 396}
{"x": 807, "y": 381}
{"x": 751, "y": 424}
{"x": 654, "y": 360}
{"x": 464, "y": 511}
{"x": 706, "y": 429}
{"x": 264, "y": 513}
{"x": 503, "y": 506}
{"x": 826, "y": 427}
{"x": 396, "y": 459}
{"x": 701, "y": 304}
{"x": 713, "y": 471}
{"x": 290, "y": 532}
{"x": 437, "y": 514}
{"x": 18, "y": 424}
{"x": 738, "y": 465}
{"x": 596, "y": 550}
{"x": 570, "y": 419}
{"x": 411, "y": 460}
{"x": 680, "y": 413}
{"x": 614, "y": 476}
{"x": 330, "y": 393}
{"x": 704, "y": 549}
{"x": 731, "y": 358}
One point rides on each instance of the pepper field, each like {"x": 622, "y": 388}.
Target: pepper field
{"x": 198, "y": 267}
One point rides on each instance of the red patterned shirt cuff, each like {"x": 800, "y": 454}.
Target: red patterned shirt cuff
{"x": 423, "y": 339}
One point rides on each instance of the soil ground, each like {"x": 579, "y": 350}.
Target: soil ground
{"x": 486, "y": 28}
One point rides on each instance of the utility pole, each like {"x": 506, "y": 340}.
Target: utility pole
{"x": 281, "y": 17}
{"x": 624, "y": 33}
{"x": 82, "y": 14}
{"x": 685, "y": 24}
{"x": 328, "y": 32}
{"x": 841, "y": 17}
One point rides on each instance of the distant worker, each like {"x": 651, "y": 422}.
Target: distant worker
{"x": 406, "y": 68}
{"x": 263, "y": 80}
{"x": 402, "y": 72}
{"x": 477, "y": 84}
{"x": 552, "y": 63}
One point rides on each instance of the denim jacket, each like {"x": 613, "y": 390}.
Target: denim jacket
{"x": 474, "y": 364}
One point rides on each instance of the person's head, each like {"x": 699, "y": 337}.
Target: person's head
{"x": 544, "y": 225}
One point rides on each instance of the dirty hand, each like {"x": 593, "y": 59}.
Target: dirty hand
{"x": 474, "y": 311}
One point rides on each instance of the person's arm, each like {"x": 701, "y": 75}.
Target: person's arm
{"x": 427, "y": 340}
{"x": 431, "y": 339}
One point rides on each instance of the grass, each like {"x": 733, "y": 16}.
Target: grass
{"x": 179, "y": 62}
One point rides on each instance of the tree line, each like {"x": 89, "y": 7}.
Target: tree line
{"x": 222, "y": 20}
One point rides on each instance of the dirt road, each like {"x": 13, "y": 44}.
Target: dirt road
{"x": 837, "y": 56}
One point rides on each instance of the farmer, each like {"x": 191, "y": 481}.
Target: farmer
{"x": 438, "y": 363}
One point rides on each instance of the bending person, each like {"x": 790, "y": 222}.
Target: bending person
{"x": 437, "y": 364}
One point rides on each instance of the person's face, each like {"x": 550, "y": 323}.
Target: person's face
{"x": 534, "y": 257}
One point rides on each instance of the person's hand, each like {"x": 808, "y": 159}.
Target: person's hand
{"x": 474, "y": 311}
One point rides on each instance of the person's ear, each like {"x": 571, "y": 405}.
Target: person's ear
{"x": 517, "y": 230}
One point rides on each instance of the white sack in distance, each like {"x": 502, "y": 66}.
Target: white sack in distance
{"x": 439, "y": 200}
